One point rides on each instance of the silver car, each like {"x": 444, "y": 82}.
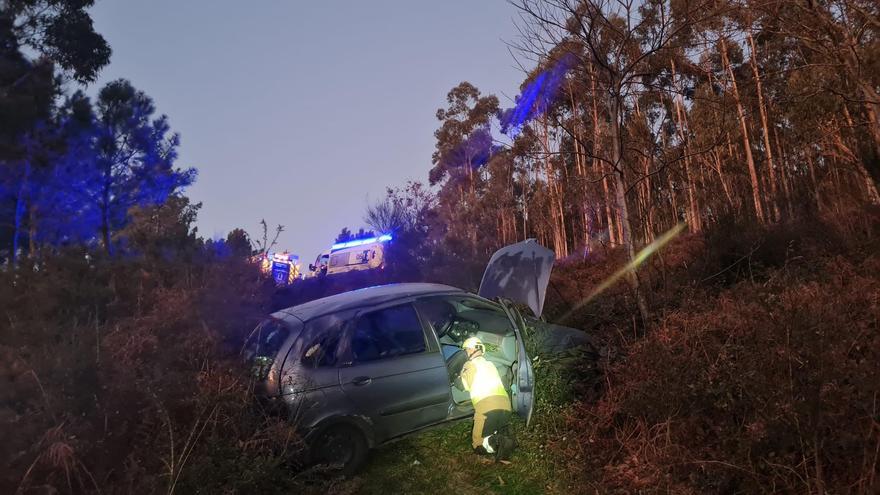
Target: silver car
{"x": 358, "y": 369}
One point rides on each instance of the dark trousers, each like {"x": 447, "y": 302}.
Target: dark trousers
{"x": 491, "y": 415}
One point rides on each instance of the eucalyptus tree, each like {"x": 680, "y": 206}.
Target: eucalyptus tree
{"x": 626, "y": 46}
{"x": 464, "y": 145}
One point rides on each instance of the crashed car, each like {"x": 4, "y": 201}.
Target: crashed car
{"x": 361, "y": 368}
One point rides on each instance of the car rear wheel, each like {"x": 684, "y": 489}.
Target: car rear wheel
{"x": 342, "y": 447}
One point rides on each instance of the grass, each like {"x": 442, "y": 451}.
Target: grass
{"x": 441, "y": 459}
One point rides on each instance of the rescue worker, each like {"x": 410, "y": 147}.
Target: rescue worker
{"x": 491, "y": 403}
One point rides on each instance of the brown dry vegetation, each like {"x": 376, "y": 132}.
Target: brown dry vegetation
{"x": 759, "y": 373}
{"x": 756, "y": 374}
{"x": 121, "y": 378}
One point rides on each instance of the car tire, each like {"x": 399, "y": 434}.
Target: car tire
{"x": 341, "y": 446}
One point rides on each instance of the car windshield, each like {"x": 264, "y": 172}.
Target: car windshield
{"x": 455, "y": 318}
{"x": 514, "y": 311}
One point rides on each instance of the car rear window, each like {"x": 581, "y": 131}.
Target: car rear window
{"x": 263, "y": 345}
{"x": 266, "y": 339}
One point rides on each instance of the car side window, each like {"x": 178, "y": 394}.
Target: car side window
{"x": 387, "y": 333}
{"x": 320, "y": 341}
{"x": 339, "y": 259}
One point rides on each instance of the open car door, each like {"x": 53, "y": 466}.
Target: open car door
{"x": 520, "y": 273}
{"x": 522, "y": 390}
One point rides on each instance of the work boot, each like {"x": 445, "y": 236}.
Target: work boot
{"x": 505, "y": 448}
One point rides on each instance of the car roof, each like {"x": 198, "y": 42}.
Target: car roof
{"x": 368, "y": 296}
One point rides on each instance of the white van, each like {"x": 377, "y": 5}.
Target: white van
{"x": 320, "y": 266}
{"x": 349, "y": 256}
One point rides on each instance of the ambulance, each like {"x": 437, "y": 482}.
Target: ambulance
{"x": 350, "y": 256}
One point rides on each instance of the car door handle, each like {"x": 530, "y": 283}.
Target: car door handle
{"x": 361, "y": 381}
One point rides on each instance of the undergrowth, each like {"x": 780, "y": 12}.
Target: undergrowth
{"x": 120, "y": 376}
{"x": 757, "y": 372}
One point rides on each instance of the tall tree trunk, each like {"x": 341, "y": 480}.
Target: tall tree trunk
{"x": 620, "y": 190}
{"x": 32, "y": 230}
{"x": 499, "y": 228}
{"x": 768, "y": 149}
{"x": 472, "y": 204}
{"x": 696, "y": 186}
{"x": 557, "y": 221}
{"x": 853, "y": 69}
{"x": 694, "y": 222}
{"x": 871, "y": 162}
{"x": 753, "y": 173}
{"x": 716, "y": 156}
{"x": 814, "y": 181}
{"x": 644, "y": 190}
{"x": 105, "y": 210}
{"x": 598, "y": 165}
{"x": 693, "y": 210}
{"x": 609, "y": 212}
{"x": 784, "y": 174}
{"x": 20, "y": 207}
{"x": 581, "y": 168}
{"x": 511, "y": 194}
{"x": 563, "y": 235}
{"x": 870, "y": 187}
{"x": 835, "y": 179}
{"x": 670, "y": 186}
{"x": 649, "y": 201}
{"x": 525, "y": 204}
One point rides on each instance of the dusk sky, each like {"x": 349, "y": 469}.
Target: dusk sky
{"x": 302, "y": 113}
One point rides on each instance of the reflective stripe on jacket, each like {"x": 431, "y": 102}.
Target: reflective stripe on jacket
{"x": 481, "y": 379}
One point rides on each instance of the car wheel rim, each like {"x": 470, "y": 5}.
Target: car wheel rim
{"x": 338, "y": 448}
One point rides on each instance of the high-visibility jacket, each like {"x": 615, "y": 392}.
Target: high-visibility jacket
{"x": 481, "y": 379}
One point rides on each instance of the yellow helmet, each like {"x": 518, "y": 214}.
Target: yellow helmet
{"x": 473, "y": 343}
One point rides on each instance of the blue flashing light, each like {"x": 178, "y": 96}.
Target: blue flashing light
{"x": 360, "y": 242}
{"x": 537, "y": 97}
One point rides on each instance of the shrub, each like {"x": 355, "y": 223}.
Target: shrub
{"x": 122, "y": 376}
{"x": 765, "y": 381}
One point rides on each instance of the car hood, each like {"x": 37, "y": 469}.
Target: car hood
{"x": 519, "y": 272}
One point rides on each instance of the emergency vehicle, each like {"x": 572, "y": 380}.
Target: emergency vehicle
{"x": 354, "y": 255}
{"x": 284, "y": 267}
